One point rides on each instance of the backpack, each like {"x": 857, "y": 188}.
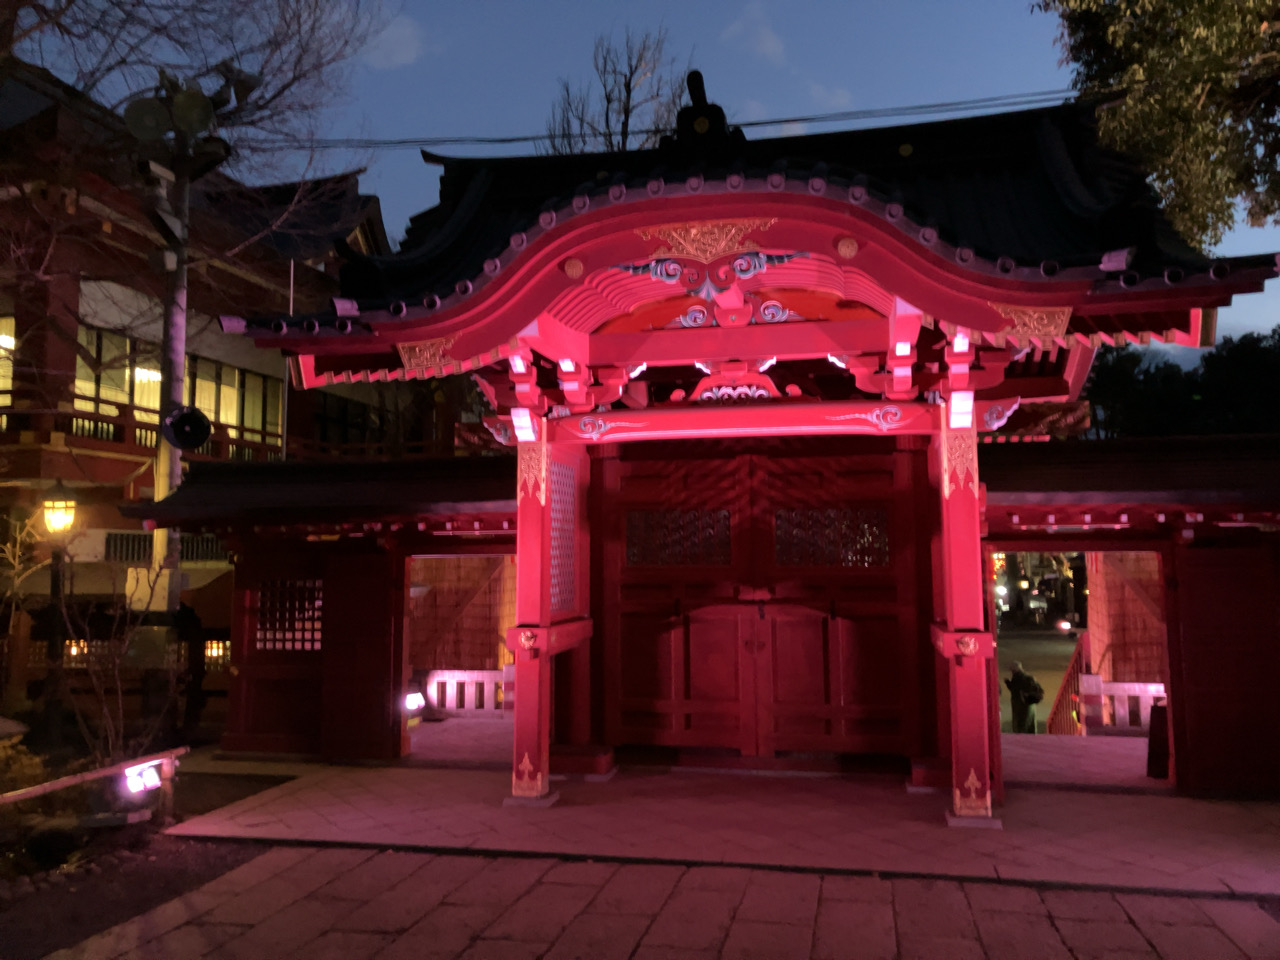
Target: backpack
{"x": 1032, "y": 692}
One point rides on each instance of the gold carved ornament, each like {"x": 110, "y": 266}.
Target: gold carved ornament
{"x": 973, "y": 805}
{"x": 967, "y": 645}
{"x": 423, "y": 354}
{"x": 959, "y": 457}
{"x": 1047, "y": 322}
{"x": 704, "y": 240}
{"x": 524, "y": 785}
{"x": 531, "y": 471}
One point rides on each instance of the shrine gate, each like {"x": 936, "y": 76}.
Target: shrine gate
{"x": 745, "y": 382}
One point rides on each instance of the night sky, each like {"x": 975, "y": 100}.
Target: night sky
{"x": 491, "y": 68}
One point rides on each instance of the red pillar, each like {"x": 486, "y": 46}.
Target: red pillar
{"x": 531, "y": 761}
{"x": 961, "y": 639}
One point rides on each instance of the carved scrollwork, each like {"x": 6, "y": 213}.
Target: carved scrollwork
{"x": 882, "y": 418}
{"x": 960, "y": 462}
{"x": 523, "y": 781}
{"x": 705, "y": 240}
{"x": 977, "y": 802}
{"x": 1034, "y": 321}
{"x": 531, "y": 472}
{"x": 422, "y": 354}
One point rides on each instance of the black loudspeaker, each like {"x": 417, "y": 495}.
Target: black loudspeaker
{"x": 186, "y": 428}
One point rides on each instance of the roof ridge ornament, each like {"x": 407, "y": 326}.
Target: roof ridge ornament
{"x": 702, "y": 129}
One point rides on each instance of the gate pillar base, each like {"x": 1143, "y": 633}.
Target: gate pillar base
{"x": 988, "y": 823}
{"x": 546, "y": 800}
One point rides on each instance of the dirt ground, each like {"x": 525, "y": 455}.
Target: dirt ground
{"x": 125, "y": 872}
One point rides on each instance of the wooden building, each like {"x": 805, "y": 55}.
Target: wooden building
{"x": 746, "y": 383}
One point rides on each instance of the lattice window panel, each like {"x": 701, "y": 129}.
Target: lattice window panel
{"x": 290, "y": 615}
{"x": 563, "y": 520}
{"x": 831, "y": 537}
{"x": 678, "y": 538}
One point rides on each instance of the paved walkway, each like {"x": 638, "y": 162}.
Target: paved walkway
{"x": 822, "y": 823}
{"x": 359, "y": 904}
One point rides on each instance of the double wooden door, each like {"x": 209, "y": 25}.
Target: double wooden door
{"x": 762, "y": 605}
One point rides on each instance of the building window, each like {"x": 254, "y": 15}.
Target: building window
{"x": 290, "y": 615}
{"x": 113, "y": 371}
{"x": 831, "y": 538}
{"x": 678, "y": 538}
{"x": 7, "y": 345}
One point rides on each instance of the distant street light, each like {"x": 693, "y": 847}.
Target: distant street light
{"x": 59, "y": 512}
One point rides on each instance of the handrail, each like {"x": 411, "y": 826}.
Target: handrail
{"x": 1065, "y": 717}
{"x": 167, "y": 760}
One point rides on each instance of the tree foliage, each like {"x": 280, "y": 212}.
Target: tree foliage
{"x": 1231, "y": 391}
{"x": 1192, "y": 89}
{"x": 629, "y": 103}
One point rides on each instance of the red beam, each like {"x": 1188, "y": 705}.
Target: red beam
{"x": 876, "y": 418}
{"x": 786, "y": 341}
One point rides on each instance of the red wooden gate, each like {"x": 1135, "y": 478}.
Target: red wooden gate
{"x": 764, "y": 604}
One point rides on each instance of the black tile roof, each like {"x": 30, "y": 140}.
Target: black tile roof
{"x": 339, "y": 492}
{"x": 1032, "y": 186}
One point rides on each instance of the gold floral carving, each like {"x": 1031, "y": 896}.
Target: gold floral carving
{"x": 531, "y": 471}
{"x": 527, "y": 639}
{"x": 973, "y": 805}
{"x": 960, "y": 459}
{"x": 1034, "y": 321}
{"x": 704, "y": 240}
{"x": 967, "y": 645}
{"x": 421, "y": 354}
{"x": 524, "y": 785}
{"x": 847, "y": 248}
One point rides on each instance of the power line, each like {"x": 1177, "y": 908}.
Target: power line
{"x": 1004, "y": 101}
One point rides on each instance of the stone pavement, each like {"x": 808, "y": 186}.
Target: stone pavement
{"x": 869, "y": 824}
{"x": 359, "y": 904}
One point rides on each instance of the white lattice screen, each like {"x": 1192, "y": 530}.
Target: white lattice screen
{"x": 563, "y": 520}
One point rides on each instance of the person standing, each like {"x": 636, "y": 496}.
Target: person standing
{"x": 1024, "y": 693}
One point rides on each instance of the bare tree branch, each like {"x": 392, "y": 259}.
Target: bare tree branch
{"x": 629, "y": 104}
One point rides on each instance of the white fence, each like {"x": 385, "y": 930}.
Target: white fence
{"x": 466, "y": 693}
{"x": 1131, "y": 704}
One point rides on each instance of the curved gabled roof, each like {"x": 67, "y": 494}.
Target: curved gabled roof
{"x": 1029, "y": 187}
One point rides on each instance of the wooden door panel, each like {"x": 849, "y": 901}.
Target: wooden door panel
{"x": 718, "y": 679}
{"x": 826, "y": 543}
{"x": 793, "y": 661}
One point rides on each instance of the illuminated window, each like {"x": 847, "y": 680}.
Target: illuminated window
{"x": 7, "y": 344}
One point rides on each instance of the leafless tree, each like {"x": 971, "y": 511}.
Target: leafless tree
{"x": 630, "y": 102}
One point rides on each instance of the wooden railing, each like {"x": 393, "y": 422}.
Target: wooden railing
{"x": 1065, "y": 717}
{"x": 1130, "y": 704}
{"x": 137, "y": 432}
{"x": 167, "y": 761}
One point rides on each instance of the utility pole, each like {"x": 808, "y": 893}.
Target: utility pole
{"x": 178, "y": 118}
{"x": 172, "y": 207}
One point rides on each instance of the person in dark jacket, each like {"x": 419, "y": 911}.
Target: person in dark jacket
{"x": 1024, "y": 693}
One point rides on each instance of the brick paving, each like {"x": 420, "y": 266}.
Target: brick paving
{"x": 869, "y": 824}
{"x": 365, "y": 904}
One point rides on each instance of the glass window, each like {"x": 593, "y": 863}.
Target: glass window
{"x": 7, "y": 343}
{"x": 113, "y": 370}
{"x": 86, "y": 361}
{"x": 205, "y": 385}
{"x": 253, "y": 400}
{"x": 146, "y": 389}
{"x": 229, "y": 398}
{"x": 275, "y": 391}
